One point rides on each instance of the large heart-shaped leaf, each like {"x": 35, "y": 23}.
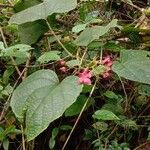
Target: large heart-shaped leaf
{"x": 134, "y": 65}
{"x": 43, "y": 10}
{"x": 93, "y": 33}
{"x": 42, "y": 99}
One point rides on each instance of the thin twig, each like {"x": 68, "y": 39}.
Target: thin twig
{"x": 12, "y": 59}
{"x": 111, "y": 133}
{"x": 140, "y": 146}
{"x": 81, "y": 112}
{"x": 58, "y": 40}
{"x": 148, "y": 106}
{"x": 83, "y": 57}
{"x": 27, "y": 66}
{"x": 138, "y": 8}
{"x": 125, "y": 93}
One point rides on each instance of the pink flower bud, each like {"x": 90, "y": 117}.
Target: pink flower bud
{"x": 62, "y": 62}
{"x": 63, "y": 69}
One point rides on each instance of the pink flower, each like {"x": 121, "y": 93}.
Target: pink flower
{"x": 84, "y": 80}
{"x": 85, "y": 77}
{"x": 63, "y": 69}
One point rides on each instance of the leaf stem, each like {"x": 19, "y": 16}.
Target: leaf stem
{"x": 81, "y": 112}
{"x": 23, "y": 139}
{"x": 49, "y": 26}
{"x": 81, "y": 61}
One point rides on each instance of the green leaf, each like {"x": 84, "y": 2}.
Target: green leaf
{"x": 76, "y": 107}
{"x": 72, "y": 63}
{"x": 21, "y": 5}
{"x": 43, "y": 10}
{"x": 2, "y": 46}
{"x": 95, "y": 45}
{"x": 78, "y": 28}
{"x": 30, "y": 32}
{"x": 2, "y": 135}
{"x": 55, "y": 132}
{"x": 9, "y": 130}
{"x": 113, "y": 46}
{"x": 1, "y": 87}
{"x": 134, "y": 65}
{"x": 99, "y": 69}
{"x": 51, "y": 143}
{"x": 42, "y": 99}
{"x": 49, "y": 56}
{"x": 110, "y": 94}
{"x": 18, "y": 50}
{"x": 6, "y": 144}
{"x": 93, "y": 33}
{"x": 113, "y": 107}
{"x": 144, "y": 89}
{"x": 100, "y": 126}
{"x": 65, "y": 127}
{"x": 105, "y": 115}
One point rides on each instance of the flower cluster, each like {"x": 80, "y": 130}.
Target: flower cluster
{"x": 107, "y": 62}
{"x": 85, "y": 77}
